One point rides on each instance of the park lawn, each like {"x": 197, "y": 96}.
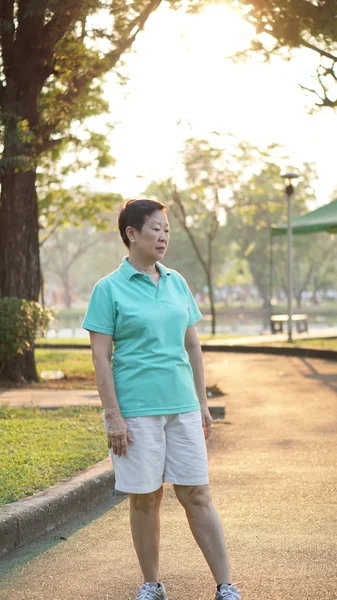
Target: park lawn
{"x": 71, "y": 362}
{"x": 321, "y": 343}
{"x": 76, "y": 365}
{"x": 57, "y": 341}
{"x": 39, "y": 448}
{"x": 203, "y": 337}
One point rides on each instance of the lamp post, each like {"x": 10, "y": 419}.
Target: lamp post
{"x": 289, "y": 190}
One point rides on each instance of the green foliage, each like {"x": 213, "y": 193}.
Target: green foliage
{"x": 21, "y": 322}
{"x": 79, "y": 42}
{"x": 258, "y": 204}
{"x": 69, "y": 46}
{"x": 287, "y": 24}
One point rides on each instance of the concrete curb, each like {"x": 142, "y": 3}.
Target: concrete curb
{"x": 279, "y": 350}
{"x": 28, "y": 519}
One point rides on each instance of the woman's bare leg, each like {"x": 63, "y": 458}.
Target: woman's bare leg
{"x": 145, "y": 528}
{"x": 206, "y": 528}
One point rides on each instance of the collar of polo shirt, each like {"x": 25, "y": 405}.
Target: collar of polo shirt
{"x": 129, "y": 271}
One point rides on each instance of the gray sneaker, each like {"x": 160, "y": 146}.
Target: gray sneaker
{"x": 227, "y": 592}
{"x": 149, "y": 591}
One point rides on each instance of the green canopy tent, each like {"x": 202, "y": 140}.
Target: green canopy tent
{"x": 321, "y": 219}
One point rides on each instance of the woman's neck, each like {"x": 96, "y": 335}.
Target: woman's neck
{"x": 142, "y": 266}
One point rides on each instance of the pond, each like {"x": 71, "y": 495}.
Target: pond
{"x": 230, "y": 324}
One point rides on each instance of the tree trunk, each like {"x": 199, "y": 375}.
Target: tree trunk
{"x": 19, "y": 254}
{"x": 299, "y": 299}
{"x": 211, "y": 301}
{"x": 260, "y": 283}
{"x": 19, "y": 262}
{"x": 21, "y": 369}
{"x": 66, "y": 289}
{"x": 263, "y": 292}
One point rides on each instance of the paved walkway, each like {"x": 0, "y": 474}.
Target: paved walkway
{"x": 329, "y": 332}
{"x": 49, "y": 398}
{"x": 274, "y": 479}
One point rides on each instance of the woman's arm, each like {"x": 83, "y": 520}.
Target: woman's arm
{"x": 116, "y": 428}
{"x": 193, "y": 349}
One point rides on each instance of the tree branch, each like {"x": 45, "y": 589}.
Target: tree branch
{"x": 302, "y": 42}
{"x": 47, "y": 144}
{"x": 81, "y": 250}
{"x": 65, "y": 13}
{"x": 96, "y": 69}
{"x": 111, "y": 58}
{"x": 177, "y": 200}
{"x": 49, "y": 234}
{"x": 318, "y": 50}
{"x": 324, "y": 99}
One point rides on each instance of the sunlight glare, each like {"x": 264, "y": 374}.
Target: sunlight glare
{"x": 220, "y": 29}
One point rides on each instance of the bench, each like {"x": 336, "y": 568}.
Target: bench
{"x": 278, "y": 321}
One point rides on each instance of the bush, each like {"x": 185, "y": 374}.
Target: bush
{"x": 21, "y": 321}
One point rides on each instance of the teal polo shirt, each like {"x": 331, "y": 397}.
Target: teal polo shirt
{"x": 150, "y": 365}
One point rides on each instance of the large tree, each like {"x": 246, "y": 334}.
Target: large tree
{"x": 283, "y": 25}
{"x": 198, "y": 207}
{"x": 53, "y": 56}
{"x": 214, "y": 171}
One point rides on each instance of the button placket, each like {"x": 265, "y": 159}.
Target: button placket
{"x": 160, "y": 288}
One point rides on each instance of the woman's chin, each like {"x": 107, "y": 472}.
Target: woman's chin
{"x": 160, "y": 254}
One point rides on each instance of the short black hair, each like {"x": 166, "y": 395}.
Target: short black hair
{"x": 133, "y": 214}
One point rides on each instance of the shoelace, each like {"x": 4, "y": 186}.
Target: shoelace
{"x": 146, "y": 592}
{"x": 230, "y": 593}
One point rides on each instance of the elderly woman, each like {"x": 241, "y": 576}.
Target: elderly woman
{"x": 155, "y": 406}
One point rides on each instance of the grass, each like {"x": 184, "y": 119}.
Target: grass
{"x": 57, "y": 341}
{"x": 76, "y": 365}
{"x": 39, "y": 448}
{"x": 203, "y": 337}
{"x": 72, "y": 362}
{"x": 321, "y": 343}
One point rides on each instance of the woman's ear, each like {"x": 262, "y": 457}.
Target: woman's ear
{"x": 130, "y": 232}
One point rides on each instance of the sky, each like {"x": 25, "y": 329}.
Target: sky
{"x": 183, "y": 84}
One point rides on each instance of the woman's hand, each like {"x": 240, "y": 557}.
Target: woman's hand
{"x": 117, "y": 431}
{"x": 206, "y": 421}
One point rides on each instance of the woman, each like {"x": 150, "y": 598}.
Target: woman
{"x": 155, "y": 406}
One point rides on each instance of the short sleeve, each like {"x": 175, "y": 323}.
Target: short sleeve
{"x": 100, "y": 312}
{"x": 193, "y": 311}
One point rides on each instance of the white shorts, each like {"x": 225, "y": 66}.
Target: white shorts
{"x": 165, "y": 448}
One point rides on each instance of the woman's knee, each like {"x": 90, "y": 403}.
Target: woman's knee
{"x": 146, "y": 502}
{"x": 193, "y": 497}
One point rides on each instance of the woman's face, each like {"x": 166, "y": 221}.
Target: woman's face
{"x": 152, "y": 241}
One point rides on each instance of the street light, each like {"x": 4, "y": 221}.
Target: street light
{"x": 289, "y": 190}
